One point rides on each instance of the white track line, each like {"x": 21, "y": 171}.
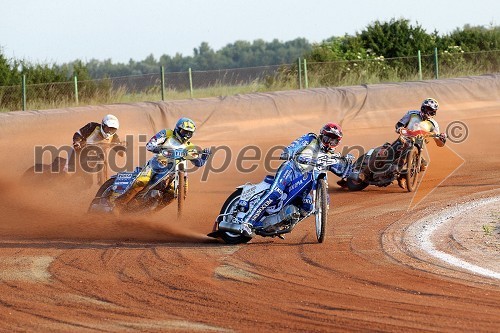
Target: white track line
{"x": 436, "y": 221}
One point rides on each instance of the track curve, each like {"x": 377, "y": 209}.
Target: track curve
{"x": 61, "y": 270}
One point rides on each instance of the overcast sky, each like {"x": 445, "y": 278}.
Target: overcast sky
{"x": 47, "y": 31}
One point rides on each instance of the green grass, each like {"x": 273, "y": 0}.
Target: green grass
{"x": 335, "y": 74}
{"x": 488, "y": 229}
{"x": 120, "y": 96}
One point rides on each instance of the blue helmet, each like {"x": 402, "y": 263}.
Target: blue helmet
{"x": 184, "y": 129}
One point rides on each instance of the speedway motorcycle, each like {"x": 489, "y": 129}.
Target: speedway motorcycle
{"x": 399, "y": 161}
{"x": 285, "y": 215}
{"x": 97, "y": 165}
{"x": 162, "y": 186}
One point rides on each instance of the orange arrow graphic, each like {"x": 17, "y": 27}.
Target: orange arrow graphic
{"x": 442, "y": 163}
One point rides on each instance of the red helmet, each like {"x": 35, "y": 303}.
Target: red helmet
{"x": 330, "y": 136}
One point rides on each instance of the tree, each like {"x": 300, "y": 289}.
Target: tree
{"x": 396, "y": 38}
{"x": 473, "y": 38}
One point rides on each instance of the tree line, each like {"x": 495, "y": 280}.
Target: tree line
{"x": 391, "y": 39}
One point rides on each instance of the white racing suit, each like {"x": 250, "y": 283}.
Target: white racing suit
{"x": 87, "y": 135}
{"x": 413, "y": 121}
{"x": 307, "y": 146}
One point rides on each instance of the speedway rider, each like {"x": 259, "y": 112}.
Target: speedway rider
{"x": 97, "y": 133}
{"x": 300, "y": 150}
{"x": 92, "y": 133}
{"x": 177, "y": 138}
{"x": 415, "y": 120}
{"x": 423, "y": 120}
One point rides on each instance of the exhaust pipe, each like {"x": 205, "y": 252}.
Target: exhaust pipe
{"x": 231, "y": 227}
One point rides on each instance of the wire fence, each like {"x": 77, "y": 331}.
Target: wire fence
{"x": 226, "y": 82}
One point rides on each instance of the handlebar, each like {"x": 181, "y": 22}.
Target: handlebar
{"x": 412, "y": 134}
{"x": 322, "y": 161}
{"x": 104, "y": 144}
{"x": 180, "y": 154}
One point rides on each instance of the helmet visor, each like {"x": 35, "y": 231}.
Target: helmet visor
{"x": 430, "y": 112}
{"x": 108, "y": 130}
{"x": 330, "y": 140}
{"x": 185, "y": 133}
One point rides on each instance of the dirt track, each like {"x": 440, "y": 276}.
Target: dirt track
{"x": 62, "y": 271}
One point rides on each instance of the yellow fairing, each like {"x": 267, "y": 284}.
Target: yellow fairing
{"x": 144, "y": 176}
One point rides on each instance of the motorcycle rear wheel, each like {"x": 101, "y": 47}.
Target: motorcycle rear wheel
{"x": 356, "y": 185}
{"x": 228, "y": 207}
{"x": 413, "y": 167}
{"x": 321, "y": 215}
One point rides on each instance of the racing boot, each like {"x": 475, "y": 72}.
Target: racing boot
{"x": 342, "y": 183}
{"x": 168, "y": 196}
{"x": 423, "y": 164}
{"x": 246, "y": 227}
{"x": 402, "y": 183}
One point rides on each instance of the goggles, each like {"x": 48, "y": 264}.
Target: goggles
{"x": 330, "y": 141}
{"x": 185, "y": 133}
{"x": 109, "y": 130}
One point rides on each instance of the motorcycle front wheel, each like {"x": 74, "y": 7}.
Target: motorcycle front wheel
{"x": 180, "y": 193}
{"x": 412, "y": 169}
{"x": 321, "y": 209}
{"x": 101, "y": 196}
{"x": 229, "y": 207}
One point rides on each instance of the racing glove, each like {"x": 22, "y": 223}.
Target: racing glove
{"x": 349, "y": 158}
{"x": 303, "y": 159}
{"x": 348, "y": 166}
{"x": 442, "y": 137}
{"x": 205, "y": 154}
{"x": 285, "y": 156}
{"x": 78, "y": 144}
{"x": 344, "y": 166}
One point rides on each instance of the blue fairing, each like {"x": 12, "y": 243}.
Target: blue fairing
{"x": 123, "y": 180}
{"x": 298, "y": 187}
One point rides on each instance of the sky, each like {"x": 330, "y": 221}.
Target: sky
{"x": 60, "y": 31}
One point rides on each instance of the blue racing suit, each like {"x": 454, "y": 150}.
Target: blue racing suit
{"x": 306, "y": 146}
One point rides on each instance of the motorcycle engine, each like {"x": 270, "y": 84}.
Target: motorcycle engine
{"x": 289, "y": 214}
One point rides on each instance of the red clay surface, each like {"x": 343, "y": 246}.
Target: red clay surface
{"x": 63, "y": 271}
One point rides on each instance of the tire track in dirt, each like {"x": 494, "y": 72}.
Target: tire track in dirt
{"x": 157, "y": 273}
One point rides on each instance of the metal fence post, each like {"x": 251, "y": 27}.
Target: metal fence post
{"x": 300, "y": 73}
{"x": 436, "y": 62}
{"x": 23, "y": 84}
{"x": 75, "y": 79}
{"x": 190, "y": 83}
{"x": 162, "y": 79}
{"x": 419, "y": 66}
{"x": 306, "y": 80}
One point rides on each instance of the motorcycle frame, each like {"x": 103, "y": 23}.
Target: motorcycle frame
{"x": 317, "y": 174}
{"x": 417, "y": 142}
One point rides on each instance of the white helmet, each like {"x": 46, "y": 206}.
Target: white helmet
{"x": 109, "y": 126}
